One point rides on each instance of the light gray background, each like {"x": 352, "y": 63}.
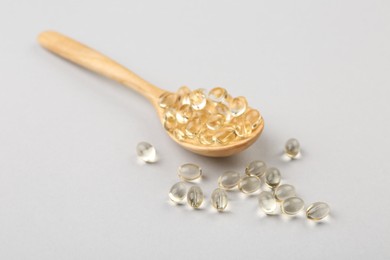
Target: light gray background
{"x": 70, "y": 183}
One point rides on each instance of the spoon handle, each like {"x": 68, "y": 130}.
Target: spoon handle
{"x": 97, "y": 62}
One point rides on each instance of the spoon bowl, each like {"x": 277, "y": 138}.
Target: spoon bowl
{"x": 88, "y": 58}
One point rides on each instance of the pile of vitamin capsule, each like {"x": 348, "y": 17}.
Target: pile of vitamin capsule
{"x": 256, "y": 173}
{"x": 213, "y": 118}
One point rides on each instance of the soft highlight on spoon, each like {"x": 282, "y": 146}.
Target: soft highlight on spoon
{"x": 210, "y": 123}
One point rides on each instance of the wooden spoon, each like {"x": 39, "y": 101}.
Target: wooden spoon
{"x": 97, "y": 62}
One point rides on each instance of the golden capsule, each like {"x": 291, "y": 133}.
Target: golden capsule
{"x": 292, "y": 148}
{"x": 228, "y": 100}
{"x": 183, "y": 95}
{"x": 183, "y": 114}
{"x": 225, "y": 135}
{"x": 218, "y": 94}
{"x": 292, "y": 206}
{"x": 198, "y": 99}
{"x": 206, "y": 137}
{"x": 256, "y": 168}
{"x": 170, "y": 119}
{"x": 179, "y": 134}
{"x": 318, "y": 211}
{"x": 215, "y": 121}
{"x": 242, "y": 128}
{"x": 178, "y": 192}
{"x": 195, "y": 196}
{"x": 249, "y": 184}
{"x": 272, "y": 177}
{"x": 224, "y": 110}
{"x": 219, "y": 199}
{"x": 284, "y": 192}
{"x": 167, "y": 99}
{"x": 253, "y": 118}
{"x": 229, "y": 180}
{"x": 238, "y": 106}
{"x": 267, "y": 202}
{"x": 189, "y": 172}
{"x": 193, "y": 127}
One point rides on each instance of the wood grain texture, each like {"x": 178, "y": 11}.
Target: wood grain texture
{"x": 97, "y": 62}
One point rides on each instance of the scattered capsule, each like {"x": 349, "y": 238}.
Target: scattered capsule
{"x": 198, "y": 99}
{"x": 256, "y": 168}
{"x": 167, "y": 99}
{"x": 229, "y": 180}
{"x": 146, "y": 152}
{"x": 249, "y": 184}
{"x": 178, "y": 192}
{"x": 292, "y": 148}
{"x": 195, "y": 197}
{"x": 218, "y": 94}
{"x": 189, "y": 172}
{"x": 215, "y": 121}
{"x": 284, "y": 192}
{"x": 183, "y": 114}
{"x": 225, "y": 135}
{"x": 292, "y": 206}
{"x": 318, "y": 211}
{"x": 253, "y": 118}
{"x": 238, "y": 106}
{"x": 267, "y": 202}
{"x": 219, "y": 199}
{"x": 272, "y": 177}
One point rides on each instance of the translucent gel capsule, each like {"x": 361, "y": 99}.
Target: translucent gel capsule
{"x": 224, "y": 110}
{"x": 183, "y": 114}
{"x": 170, "y": 119}
{"x": 238, "y": 106}
{"x": 189, "y": 172}
{"x": 253, "y": 118}
{"x": 179, "y": 134}
{"x": 318, "y": 211}
{"x": 167, "y": 99}
{"x": 215, "y": 121}
{"x": 209, "y": 109}
{"x": 243, "y": 128}
{"x": 219, "y": 199}
{"x": 292, "y": 148}
{"x": 193, "y": 127}
{"x": 183, "y": 95}
{"x": 267, "y": 202}
{"x": 225, "y": 135}
{"x": 229, "y": 180}
{"x": 272, "y": 177}
{"x": 178, "y": 192}
{"x": 228, "y": 100}
{"x": 146, "y": 152}
{"x": 218, "y": 94}
{"x": 284, "y": 192}
{"x": 206, "y": 137}
{"x": 249, "y": 184}
{"x": 195, "y": 197}
{"x": 292, "y": 206}
{"x": 198, "y": 99}
{"x": 256, "y": 168}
